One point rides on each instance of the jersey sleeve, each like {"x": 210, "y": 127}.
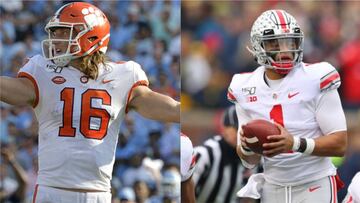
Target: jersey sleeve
{"x": 235, "y": 88}
{"x": 329, "y": 112}
{"x": 329, "y": 77}
{"x": 354, "y": 188}
{"x": 139, "y": 79}
{"x": 139, "y": 74}
{"x": 230, "y": 96}
{"x": 30, "y": 72}
{"x": 187, "y": 158}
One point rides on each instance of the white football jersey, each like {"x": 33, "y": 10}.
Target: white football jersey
{"x": 79, "y": 120}
{"x": 295, "y": 103}
{"x": 187, "y": 158}
{"x": 353, "y": 195}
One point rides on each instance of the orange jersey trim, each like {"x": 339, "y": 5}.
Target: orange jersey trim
{"x": 138, "y": 83}
{"x": 33, "y": 81}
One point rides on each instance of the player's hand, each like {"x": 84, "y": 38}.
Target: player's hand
{"x": 242, "y": 139}
{"x": 7, "y": 154}
{"x": 279, "y": 143}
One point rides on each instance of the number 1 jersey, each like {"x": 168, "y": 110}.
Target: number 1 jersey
{"x": 297, "y": 103}
{"x": 79, "y": 120}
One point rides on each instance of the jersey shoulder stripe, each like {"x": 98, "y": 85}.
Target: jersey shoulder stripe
{"x": 326, "y": 74}
{"x": 330, "y": 80}
{"x": 230, "y": 96}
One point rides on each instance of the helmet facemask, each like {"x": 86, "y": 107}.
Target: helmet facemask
{"x": 61, "y": 50}
{"x": 280, "y": 52}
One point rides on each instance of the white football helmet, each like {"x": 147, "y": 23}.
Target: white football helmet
{"x": 271, "y": 32}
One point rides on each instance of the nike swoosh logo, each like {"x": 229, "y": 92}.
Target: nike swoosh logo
{"x": 312, "y": 189}
{"x": 106, "y": 81}
{"x": 292, "y": 95}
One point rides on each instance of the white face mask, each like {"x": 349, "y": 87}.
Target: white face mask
{"x": 62, "y": 44}
{"x": 282, "y": 51}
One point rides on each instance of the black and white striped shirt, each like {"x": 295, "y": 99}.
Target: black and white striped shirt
{"x": 219, "y": 173}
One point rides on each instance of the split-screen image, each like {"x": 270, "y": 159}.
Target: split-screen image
{"x": 175, "y": 101}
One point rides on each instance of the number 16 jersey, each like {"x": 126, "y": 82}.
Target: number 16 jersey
{"x": 79, "y": 120}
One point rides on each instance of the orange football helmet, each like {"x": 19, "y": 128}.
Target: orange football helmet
{"x": 87, "y": 30}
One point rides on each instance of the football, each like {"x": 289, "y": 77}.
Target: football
{"x": 256, "y": 132}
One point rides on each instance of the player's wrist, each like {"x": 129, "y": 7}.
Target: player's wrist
{"x": 304, "y": 145}
{"x": 296, "y": 144}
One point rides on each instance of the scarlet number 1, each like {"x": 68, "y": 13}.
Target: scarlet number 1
{"x": 276, "y": 114}
{"x": 87, "y": 112}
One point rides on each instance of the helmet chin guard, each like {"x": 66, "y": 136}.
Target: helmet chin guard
{"x": 277, "y": 41}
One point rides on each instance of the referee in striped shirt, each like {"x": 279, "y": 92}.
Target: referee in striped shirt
{"x": 219, "y": 173}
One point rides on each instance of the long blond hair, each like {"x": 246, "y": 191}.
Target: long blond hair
{"x": 90, "y": 64}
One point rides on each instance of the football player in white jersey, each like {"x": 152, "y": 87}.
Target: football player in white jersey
{"x": 303, "y": 100}
{"x": 353, "y": 194}
{"x": 187, "y": 170}
{"x": 80, "y": 98}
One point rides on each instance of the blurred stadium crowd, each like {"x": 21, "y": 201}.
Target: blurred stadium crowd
{"x": 142, "y": 31}
{"x": 214, "y": 39}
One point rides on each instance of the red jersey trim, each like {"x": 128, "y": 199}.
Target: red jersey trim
{"x": 193, "y": 161}
{"x": 33, "y": 81}
{"x": 35, "y": 193}
{"x": 329, "y": 79}
{"x": 350, "y": 200}
{"x": 138, "y": 83}
{"x": 231, "y": 97}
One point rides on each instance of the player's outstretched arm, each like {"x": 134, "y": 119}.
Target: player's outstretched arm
{"x": 155, "y": 106}
{"x": 17, "y": 91}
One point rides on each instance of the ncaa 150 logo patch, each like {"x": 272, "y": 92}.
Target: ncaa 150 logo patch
{"x": 250, "y": 91}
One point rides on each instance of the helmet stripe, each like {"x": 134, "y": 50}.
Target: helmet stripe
{"x": 62, "y": 8}
{"x": 281, "y": 17}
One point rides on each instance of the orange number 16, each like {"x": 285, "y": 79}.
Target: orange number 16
{"x": 87, "y": 112}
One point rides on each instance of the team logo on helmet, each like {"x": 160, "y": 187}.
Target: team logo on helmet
{"x": 93, "y": 17}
